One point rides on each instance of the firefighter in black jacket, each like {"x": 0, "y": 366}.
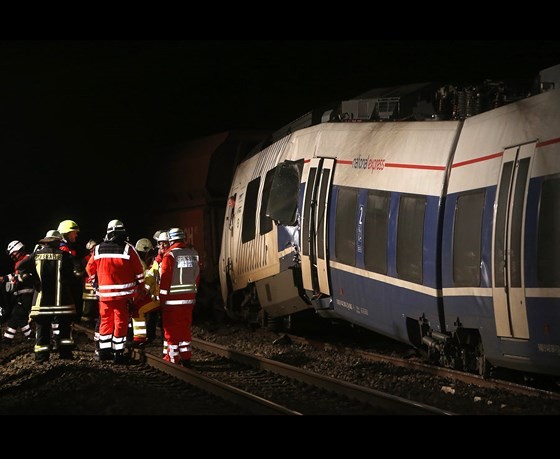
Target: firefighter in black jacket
{"x": 53, "y": 270}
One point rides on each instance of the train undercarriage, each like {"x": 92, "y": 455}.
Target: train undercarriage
{"x": 460, "y": 349}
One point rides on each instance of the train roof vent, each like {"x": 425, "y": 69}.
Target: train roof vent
{"x": 379, "y": 108}
{"x": 388, "y": 107}
{"x": 358, "y": 109}
{"x": 550, "y": 78}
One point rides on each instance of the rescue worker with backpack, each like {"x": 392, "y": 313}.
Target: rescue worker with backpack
{"x": 117, "y": 269}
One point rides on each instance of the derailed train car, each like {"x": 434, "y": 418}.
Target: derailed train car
{"x": 439, "y": 234}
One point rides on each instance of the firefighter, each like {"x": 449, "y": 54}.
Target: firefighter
{"x": 148, "y": 301}
{"x": 50, "y": 233}
{"x": 180, "y": 276}
{"x": 90, "y": 311}
{"x": 52, "y": 269}
{"x": 22, "y": 290}
{"x": 117, "y": 269}
{"x": 162, "y": 240}
{"x": 154, "y": 318}
{"x": 69, "y": 230}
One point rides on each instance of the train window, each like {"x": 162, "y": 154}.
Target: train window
{"x": 284, "y": 193}
{"x": 265, "y": 220}
{"x": 410, "y": 237}
{"x": 548, "y": 235}
{"x": 375, "y": 231}
{"x": 321, "y": 212}
{"x": 501, "y": 224}
{"x": 345, "y": 226}
{"x": 250, "y": 210}
{"x": 467, "y": 236}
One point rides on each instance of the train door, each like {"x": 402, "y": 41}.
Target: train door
{"x": 314, "y": 225}
{"x": 508, "y": 286}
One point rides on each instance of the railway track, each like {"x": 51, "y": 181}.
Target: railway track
{"x": 454, "y": 375}
{"x": 263, "y": 386}
{"x": 280, "y": 376}
{"x": 309, "y": 392}
{"x": 84, "y": 386}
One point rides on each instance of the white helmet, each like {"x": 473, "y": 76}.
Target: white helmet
{"x": 143, "y": 245}
{"x": 115, "y": 225}
{"x": 54, "y": 233}
{"x": 91, "y": 244}
{"x": 14, "y": 246}
{"x": 176, "y": 234}
{"x": 115, "y": 228}
{"x": 163, "y": 236}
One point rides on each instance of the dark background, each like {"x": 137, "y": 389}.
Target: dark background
{"x": 82, "y": 121}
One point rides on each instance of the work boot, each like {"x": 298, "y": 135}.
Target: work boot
{"x": 66, "y": 354}
{"x": 187, "y": 363}
{"x": 41, "y": 357}
{"x": 105, "y": 355}
{"x": 120, "y": 358}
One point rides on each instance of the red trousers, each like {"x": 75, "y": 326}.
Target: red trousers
{"x": 176, "y": 322}
{"x": 113, "y": 317}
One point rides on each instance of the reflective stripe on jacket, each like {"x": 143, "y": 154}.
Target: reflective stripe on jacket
{"x": 180, "y": 275}
{"x": 118, "y": 269}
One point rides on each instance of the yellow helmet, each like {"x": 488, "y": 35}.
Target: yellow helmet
{"x": 66, "y": 226}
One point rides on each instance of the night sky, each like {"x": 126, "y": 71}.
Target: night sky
{"x": 81, "y": 122}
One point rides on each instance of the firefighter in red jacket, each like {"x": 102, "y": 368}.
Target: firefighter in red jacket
{"x": 22, "y": 290}
{"x": 117, "y": 270}
{"x": 180, "y": 276}
{"x": 90, "y": 311}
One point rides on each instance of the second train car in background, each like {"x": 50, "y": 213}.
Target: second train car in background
{"x": 440, "y": 234}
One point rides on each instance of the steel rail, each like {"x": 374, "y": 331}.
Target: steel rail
{"x": 377, "y": 399}
{"x": 251, "y": 402}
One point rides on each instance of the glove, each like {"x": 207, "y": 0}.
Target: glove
{"x": 92, "y": 280}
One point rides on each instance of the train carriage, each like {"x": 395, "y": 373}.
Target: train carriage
{"x": 439, "y": 234}
{"x": 500, "y": 270}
